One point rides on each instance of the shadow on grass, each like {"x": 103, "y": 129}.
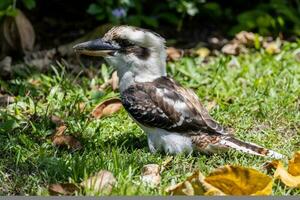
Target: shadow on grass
{"x": 129, "y": 141}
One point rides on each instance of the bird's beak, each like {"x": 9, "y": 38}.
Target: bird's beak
{"x": 96, "y": 47}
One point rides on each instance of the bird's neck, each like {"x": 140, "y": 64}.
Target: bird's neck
{"x": 138, "y": 72}
{"x": 139, "y": 75}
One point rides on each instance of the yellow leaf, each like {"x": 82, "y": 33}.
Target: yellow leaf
{"x": 294, "y": 165}
{"x": 236, "y": 180}
{"x": 194, "y": 185}
{"x": 272, "y": 47}
{"x": 203, "y": 52}
{"x": 288, "y": 179}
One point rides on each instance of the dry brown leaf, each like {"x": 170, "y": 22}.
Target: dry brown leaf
{"x": 60, "y": 130}
{"x": 61, "y": 140}
{"x": 102, "y": 182}
{"x": 10, "y": 32}
{"x": 245, "y": 37}
{"x": 294, "y": 165}
{"x": 58, "y": 122}
{"x": 236, "y": 180}
{"x": 231, "y": 49}
{"x": 202, "y": 52}
{"x": 115, "y": 80}
{"x": 194, "y": 185}
{"x": 288, "y": 179}
{"x": 19, "y": 32}
{"x": 107, "y": 108}
{"x": 151, "y": 175}
{"x": 26, "y": 31}
{"x": 174, "y": 54}
{"x": 68, "y": 141}
{"x": 63, "y": 189}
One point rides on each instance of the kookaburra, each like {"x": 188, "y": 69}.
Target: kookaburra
{"x": 172, "y": 116}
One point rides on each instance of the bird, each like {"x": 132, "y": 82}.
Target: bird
{"x": 171, "y": 115}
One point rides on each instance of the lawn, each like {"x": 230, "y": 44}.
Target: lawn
{"x": 256, "y": 94}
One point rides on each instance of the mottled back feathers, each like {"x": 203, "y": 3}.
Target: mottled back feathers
{"x": 164, "y": 104}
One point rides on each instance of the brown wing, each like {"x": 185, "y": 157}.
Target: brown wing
{"x": 165, "y": 104}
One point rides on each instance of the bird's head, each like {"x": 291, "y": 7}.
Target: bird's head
{"x": 129, "y": 48}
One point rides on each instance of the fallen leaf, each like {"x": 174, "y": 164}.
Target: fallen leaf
{"x": 60, "y": 130}
{"x": 288, "y": 179}
{"x": 174, "y": 54}
{"x": 18, "y": 32}
{"x": 194, "y": 185}
{"x": 63, "y": 189}
{"x": 26, "y": 31}
{"x": 236, "y": 180}
{"x": 61, "y": 140}
{"x": 230, "y": 49}
{"x": 151, "y": 175}
{"x": 58, "y": 122}
{"x": 246, "y": 38}
{"x": 102, "y": 182}
{"x": 272, "y": 47}
{"x": 107, "y": 108}
{"x": 202, "y": 52}
{"x": 67, "y": 140}
{"x": 294, "y": 165}
{"x": 114, "y": 80}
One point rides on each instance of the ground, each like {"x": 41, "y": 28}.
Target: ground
{"x": 256, "y": 94}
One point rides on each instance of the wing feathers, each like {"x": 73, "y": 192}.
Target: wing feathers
{"x": 163, "y": 103}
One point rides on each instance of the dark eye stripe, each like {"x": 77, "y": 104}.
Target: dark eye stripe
{"x": 124, "y": 42}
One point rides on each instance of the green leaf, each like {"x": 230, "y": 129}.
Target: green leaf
{"x": 94, "y": 9}
{"x": 8, "y": 125}
{"x": 104, "y": 72}
{"x": 134, "y": 20}
{"x": 149, "y": 21}
{"x": 29, "y": 4}
{"x": 169, "y": 17}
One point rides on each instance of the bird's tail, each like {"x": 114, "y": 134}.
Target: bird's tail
{"x": 250, "y": 148}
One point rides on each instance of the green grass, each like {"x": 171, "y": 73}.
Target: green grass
{"x": 258, "y": 97}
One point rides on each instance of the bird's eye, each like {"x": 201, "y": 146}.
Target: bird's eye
{"x": 124, "y": 43}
